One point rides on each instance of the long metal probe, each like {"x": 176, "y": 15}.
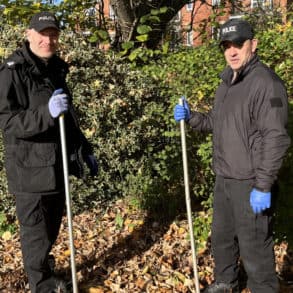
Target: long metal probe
{"x": 68, "y": 202}
{"x": 187, "y": 198}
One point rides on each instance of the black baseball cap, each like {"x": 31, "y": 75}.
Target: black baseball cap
{"x": 43, "y": 20}
{"x": 236, "y": 31}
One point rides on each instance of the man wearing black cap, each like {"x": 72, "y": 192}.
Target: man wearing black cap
{"x": 33, "y": 95}
{"x": 250, "y": 139}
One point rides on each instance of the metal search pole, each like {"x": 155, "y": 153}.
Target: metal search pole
{"x": 68, "y": 201}
{"x": 187, "y": 198}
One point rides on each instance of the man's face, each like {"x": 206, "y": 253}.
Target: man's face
{"x": 238, "y": 55}
{"x": 44, "y": 43}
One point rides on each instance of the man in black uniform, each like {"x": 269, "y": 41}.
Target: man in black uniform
{"x": 248, "y": 122}
{"x": 33, "y": 94}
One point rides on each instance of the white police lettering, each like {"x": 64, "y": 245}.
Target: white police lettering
{"x": 229, "y": 29}
{"x": 10, "y": 63}
{"x": 44, "y": 18}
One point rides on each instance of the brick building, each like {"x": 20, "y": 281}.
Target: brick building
{"x": 191, "y": 20}
{"x": 198, "y": 13}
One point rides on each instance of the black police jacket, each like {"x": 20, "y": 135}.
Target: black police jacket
{"x": 33, "y": 158}
{"x": 248, "y": 122}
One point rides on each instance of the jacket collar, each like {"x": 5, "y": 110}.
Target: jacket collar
{"x": 227, "y": 73}
{"x": 37, "y": 64}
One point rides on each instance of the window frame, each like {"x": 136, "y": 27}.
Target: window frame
{"x": 189, "y": 6}
{"x": 261, "y": 3}
{"x": 189, "y": 38}
{"x": 216, "y": 2}
{"x": 111, "y": 12}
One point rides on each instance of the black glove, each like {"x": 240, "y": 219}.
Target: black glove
{"x": 92, "y": 164}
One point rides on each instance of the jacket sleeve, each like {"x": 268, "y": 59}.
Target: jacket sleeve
{"x": 76, "y": 136}
{"x": 201, "y": 121}
{"x": 271, "y": 114}
{"x": 16, "y": 118}
{"x": 78, "y": 146}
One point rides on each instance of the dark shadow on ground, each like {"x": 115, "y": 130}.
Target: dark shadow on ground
{"x": 163, "y": 212}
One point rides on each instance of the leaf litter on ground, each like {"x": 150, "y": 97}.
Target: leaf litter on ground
{"x": 122, "y": 249}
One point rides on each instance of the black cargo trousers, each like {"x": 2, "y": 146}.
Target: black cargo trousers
{"x": 237, "y": 231}
{"x": 39, "y": 218}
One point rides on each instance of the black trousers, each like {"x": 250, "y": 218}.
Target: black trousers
{"x": 237, "y": 231}
{"x": 40, "y": 219}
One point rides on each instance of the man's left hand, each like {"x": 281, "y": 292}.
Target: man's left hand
{"x": 92, "y": 164}
{"x": 259, "y": 200}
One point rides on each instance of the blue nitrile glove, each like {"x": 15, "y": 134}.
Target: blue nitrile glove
{"x": 58, "y": 103}
{"x": 92, "y": 164}
{"x": 259, "y": 200}
{"x": 182, "y": 112}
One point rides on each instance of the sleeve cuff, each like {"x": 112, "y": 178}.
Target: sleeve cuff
{"x": 262, "y": 189}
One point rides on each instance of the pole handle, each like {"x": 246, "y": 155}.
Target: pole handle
{"x": 187, "y": 199}
{"x": 68, "y": 201}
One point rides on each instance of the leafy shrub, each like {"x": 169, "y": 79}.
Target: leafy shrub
{"x": 275, "y": 49}
{"x": 127, "y": 115}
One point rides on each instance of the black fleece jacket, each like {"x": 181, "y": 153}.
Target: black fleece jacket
{"x": 31, "y": 136}
{"x": 248, "y": 122}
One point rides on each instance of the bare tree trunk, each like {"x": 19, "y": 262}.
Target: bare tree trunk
{"x": 129, "y": 12}
{"x": 125, "y": 16}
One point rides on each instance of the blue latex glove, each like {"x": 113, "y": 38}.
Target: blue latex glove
{"x": 58, "y": 103}
{"x": 259, "y": 200}
{"x": 92, "y": 164}
{"x": 182, "y": 112}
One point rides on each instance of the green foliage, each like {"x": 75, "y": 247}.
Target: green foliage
{"x": 5, "y": 224}
{"x": 190, "y": 72}
{"x": 143, "y": 29}
{"x": 201, "y": 227}
{"x": 122, "y": 113}
{"x": 119, "y": 221}
{"x": 7, "y": 201}
{"x": 10, "y": 38}
{"x": 19, "y": 11}
{"x": 205, "y": 175}
{"x": 194, "y": 74}
{"x": 137, "y": 51}
{"x": 75, "y": 15}
{"x": 275, "y": 48}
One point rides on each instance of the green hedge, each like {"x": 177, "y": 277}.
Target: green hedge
{"x": 127, "y": 113}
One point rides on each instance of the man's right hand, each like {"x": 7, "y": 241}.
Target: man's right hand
{"x": 182, "y": 112}
{"x": 58, "y": 103}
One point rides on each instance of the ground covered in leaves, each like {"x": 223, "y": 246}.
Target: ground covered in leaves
{"x": 122, "y": 249}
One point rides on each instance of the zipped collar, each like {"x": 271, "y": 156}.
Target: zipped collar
{"x": 227, "y": 74}
{"x": 36, "y": 63}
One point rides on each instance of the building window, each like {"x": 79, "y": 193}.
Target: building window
{"x": 261, "y": 3}
{"x": 216, "y": 2}
{"x": 111, "y": 12}
{"x": 189, "y": 7}
{"x": 189, "y": 38}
